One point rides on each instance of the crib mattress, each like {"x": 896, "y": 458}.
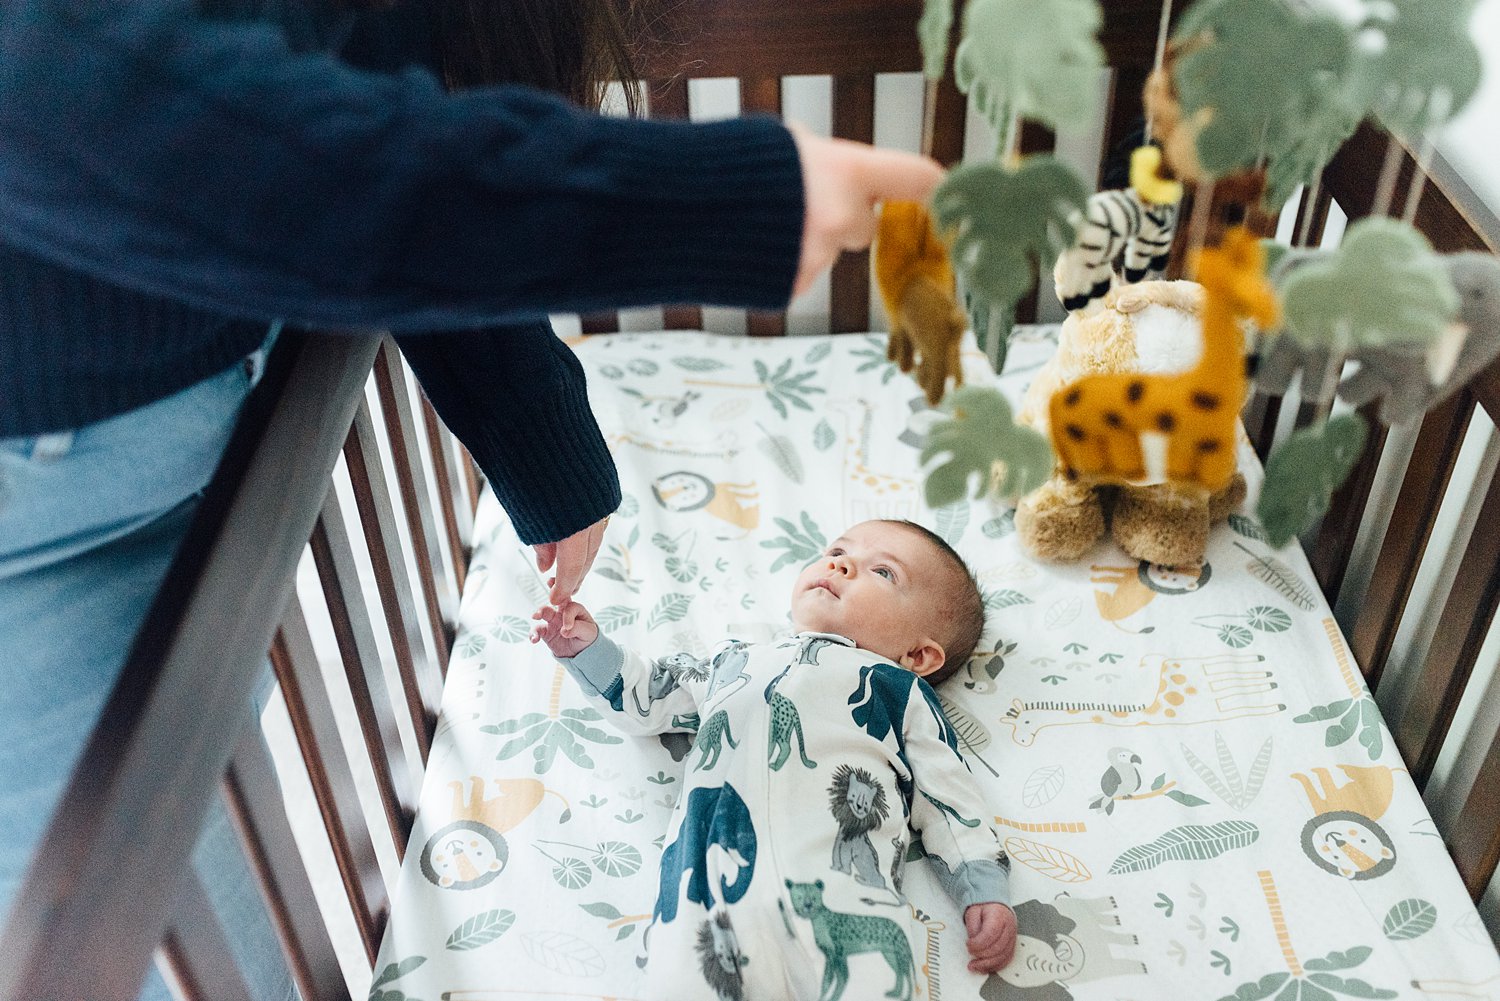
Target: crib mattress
{"x": 1197, "y": 792}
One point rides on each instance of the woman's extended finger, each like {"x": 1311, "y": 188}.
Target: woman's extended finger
{"x": 575, "y": 555}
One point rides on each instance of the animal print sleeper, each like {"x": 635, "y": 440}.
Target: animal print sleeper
{"x": 815, "y": 763}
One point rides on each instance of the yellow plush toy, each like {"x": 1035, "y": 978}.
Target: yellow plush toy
{"x": 1142, "y": 402}
{"x": 915, "y": 277}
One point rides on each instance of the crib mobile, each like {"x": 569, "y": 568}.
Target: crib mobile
{"x": 1249, "y": 100}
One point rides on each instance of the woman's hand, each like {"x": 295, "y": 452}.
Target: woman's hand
{"x": 992, "y": 936}
{"x": 572, "y": 557}
{"x": 842, "y": 182}
{"x": 567, "y": 630}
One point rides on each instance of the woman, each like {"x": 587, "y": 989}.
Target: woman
{"x": 173, "y": 180}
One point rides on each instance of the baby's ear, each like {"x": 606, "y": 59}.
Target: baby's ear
{"x": 924, "y": 658}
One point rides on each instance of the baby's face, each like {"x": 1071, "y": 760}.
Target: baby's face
{"x": 876, "y": 584}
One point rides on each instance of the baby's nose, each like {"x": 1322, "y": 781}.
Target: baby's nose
{"x": 838, "y": 566}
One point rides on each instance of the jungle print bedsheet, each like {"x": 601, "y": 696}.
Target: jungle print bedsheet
{"x": 1196, "y": 790}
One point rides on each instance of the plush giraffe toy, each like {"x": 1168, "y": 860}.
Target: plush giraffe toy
{"x": 1098, "y": 422}
{"x": 915, "y": 276}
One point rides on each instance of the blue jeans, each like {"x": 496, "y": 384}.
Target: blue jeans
{"x": 89, "y": 522}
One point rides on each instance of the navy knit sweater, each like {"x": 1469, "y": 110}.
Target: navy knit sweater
{"x": 170, "y": 182}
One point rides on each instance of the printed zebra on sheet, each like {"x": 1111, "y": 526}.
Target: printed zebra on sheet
{"x": 1114, "y": 223}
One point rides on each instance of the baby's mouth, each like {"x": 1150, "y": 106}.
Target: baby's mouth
{"x": 825, "y": 584}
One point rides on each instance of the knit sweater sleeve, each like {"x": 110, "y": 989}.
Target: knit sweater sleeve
{"x": 207, "y": 162}
{"x": 516, "y": 397}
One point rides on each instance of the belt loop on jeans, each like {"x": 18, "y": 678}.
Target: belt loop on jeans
{"x": 51, "y": 447}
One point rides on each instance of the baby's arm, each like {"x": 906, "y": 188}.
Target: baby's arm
{"x": 645, "y": 698}
{"x": 962, "y": 848}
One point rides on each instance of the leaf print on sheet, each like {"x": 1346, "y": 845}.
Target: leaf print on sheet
{"x": 1354, "y": 716}
{"x": 951, "y": 522}
{"x": 780, "y": 450}
{"x": 1051, "y": 862}
{"x": 481, "y": 929}
{"x": 1002, "y": 598}
{"x": 615, "y": 617}
{"x": 395, "y": 971}
{"x": 1226, "y": 782}
{"x": 802, "y": 546}
{"x": 562, "y": 953}
{"x": 1411, "y": 918}
{"x": 1062, "y": 612}
{"x": 1191, "y": 842}
{"x": 1042, "y": 786}
{"x": 973, "y": 736}
{"x": 1283, "y": 579}
{"x": 669, "y": 608}
{"x": 875, "y": 358}
{"x": 824, "y": 436}
{"x": 782, "y": 387}
{"x": 510, "y": 629}
{"x": 690, "y": 364}
{"x": 999, "y": 527}
{"x": 556, "y": 730}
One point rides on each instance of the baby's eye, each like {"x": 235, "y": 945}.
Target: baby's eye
{"x": 835, "y": 551}
{"x": 885, "y": 572}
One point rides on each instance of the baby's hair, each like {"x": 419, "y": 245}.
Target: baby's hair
{"x": 961, "y": 606}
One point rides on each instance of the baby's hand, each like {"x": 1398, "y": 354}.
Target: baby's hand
{"x": 567, "y": 630}
{"x": 992, "y": 936}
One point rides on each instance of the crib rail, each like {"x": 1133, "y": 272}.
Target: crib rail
{"x": 114, "y": 880}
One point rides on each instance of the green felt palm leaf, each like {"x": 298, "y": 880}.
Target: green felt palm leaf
{"x": 1006, "y": 223}
{"x": 1032, "y": 58}
{"x": 1428, "y": 51}
{"x": 1384, "y": 286}
{"x": 933, "y": 29}
{"x": 982, "y": 438}
{"x": 1302, "y": 475}
{"x": 1268, "y": 76}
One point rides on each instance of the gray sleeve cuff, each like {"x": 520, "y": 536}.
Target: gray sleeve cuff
{"x": 596, "y": 665}
{"x": 978, "y": 881}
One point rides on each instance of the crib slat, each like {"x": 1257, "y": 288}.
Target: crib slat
{"x": 853, "y": 118}
{"x": 390, "y": 382}
{"x": 194, "y": 957}
{"x": 302, "y": 688}
{"x": 253, "y": 796}
{"x": 1466, "y": 617}
{"x": 762, "y": 94}
{"x": 949, "y": 122}
{"x": 669, "y": 99}
{"x": 1035, "y": 138}
{"x": 449, "y": 492}
{"x": 1340, "y": 528}
{"x": 421, "y": 678}
{"x": 471, "y": 479}
{"x": 1474, "y": 841}
{"x": 599, "y": 323}
{"x": 1406, "y": 536}
{"x": 355, "y": 635}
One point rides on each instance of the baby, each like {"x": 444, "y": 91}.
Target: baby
{"x": 818, "y": 761}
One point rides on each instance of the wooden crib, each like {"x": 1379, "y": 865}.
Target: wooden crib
{"x": 94, "y": 909}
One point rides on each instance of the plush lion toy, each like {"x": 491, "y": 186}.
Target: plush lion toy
{"x": 1150, "y": 327}
{"x": 915, "y": 276}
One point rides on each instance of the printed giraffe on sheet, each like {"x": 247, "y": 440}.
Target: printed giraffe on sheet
{"x": 1098, "y": 422}
{"x": 1188, "y": 691}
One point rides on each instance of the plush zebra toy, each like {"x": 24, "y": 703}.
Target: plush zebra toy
{"x": 1114, "y": 222}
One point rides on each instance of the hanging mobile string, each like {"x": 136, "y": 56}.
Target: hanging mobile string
{"x": 929, "y": 114}
{"x": 1161, "y": 55}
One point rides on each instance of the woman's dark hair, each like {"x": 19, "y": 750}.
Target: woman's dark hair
{"x": 570, "y": 47}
